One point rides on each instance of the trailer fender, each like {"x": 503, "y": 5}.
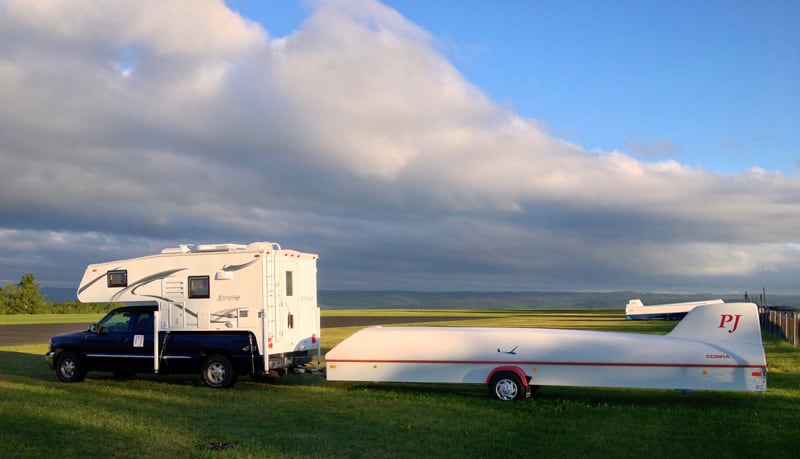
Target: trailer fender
{"x": 516, "y": 370}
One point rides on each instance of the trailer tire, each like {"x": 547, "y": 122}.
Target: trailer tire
{"x": 218, "y": 372}
{"x": 69, "y": 368}
{"x": 506, "y": 386}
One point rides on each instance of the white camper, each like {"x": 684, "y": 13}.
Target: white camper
{"x": 636, "y": 310}
{"x": 259, "y": 290}
{"x": 715, "y": 347}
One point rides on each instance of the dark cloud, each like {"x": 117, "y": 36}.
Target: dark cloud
{"x": 353, "y": 138}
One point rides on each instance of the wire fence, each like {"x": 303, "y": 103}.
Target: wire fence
{"x": 783, "y": 323}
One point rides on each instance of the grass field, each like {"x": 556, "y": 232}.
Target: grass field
{"x": 303, "y": 416}
{"x": 22, "y": 319}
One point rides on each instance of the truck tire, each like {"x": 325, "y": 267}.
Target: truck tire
{"x": 506, "y": 386}
{"x": 218, "y": 372}
{"x": 69, "y": 367}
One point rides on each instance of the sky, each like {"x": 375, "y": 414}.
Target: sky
{"x": 429, "y": 146}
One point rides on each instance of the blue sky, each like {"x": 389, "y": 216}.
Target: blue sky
{"x": 434, "y": 146}
{"x": 712, "y": 84}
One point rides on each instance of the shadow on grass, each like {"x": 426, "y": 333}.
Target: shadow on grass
{"x": 31, "y": 367}
{"x": 587, "y": 397}
{"x": 34, "y": 367}
{"x": 20, "y": 365}
{"x": 418, "y": 390}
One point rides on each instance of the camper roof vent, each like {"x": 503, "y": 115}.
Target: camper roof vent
{"x": 183, "y": 248}
{"x": 262, "y": 246}
{"x": 220, "y": 247}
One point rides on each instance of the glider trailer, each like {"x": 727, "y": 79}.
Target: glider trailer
{"x": 715, "y": 347}
{"x": 221, "y": 310}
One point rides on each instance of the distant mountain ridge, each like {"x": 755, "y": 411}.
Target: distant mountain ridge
{"x": 334, "y": 299}
{"x": 399, "y": 299}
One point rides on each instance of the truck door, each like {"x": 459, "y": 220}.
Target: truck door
{"x": 123, "y": 341}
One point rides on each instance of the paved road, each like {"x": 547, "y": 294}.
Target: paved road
{"x": 12, "y": 335}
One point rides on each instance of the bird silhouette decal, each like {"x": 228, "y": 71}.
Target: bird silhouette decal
{"x": 511, "y": 352}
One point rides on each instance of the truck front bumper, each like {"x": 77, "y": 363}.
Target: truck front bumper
{"x": 50, "y": 358}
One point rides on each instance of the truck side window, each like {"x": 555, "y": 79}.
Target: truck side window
{"x": 119, "y": 322}
{"x": 289, "y": 284}
{"x": 117, "y": 278}
{"x": 144, "y": 324}
{"x": 198, "y": 287}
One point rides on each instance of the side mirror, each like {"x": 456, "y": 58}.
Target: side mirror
{"x": 93, "y": 328}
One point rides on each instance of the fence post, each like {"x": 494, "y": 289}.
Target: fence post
{"x": 796, "y": 334}
{"x": 783, "y": 324}
{"x": 772, "y": 322}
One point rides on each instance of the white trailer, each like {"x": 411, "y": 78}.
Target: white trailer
{"x": 636, "y": 310}
{"x": 715, "y": 347}
{"x": 258, "y": 289}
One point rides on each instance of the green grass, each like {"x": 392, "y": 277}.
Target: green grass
{"x": 23, "y": 319}
{"x": 303, "y": 416}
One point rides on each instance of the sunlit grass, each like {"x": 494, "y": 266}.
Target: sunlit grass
{"x": 23, "y": 319}
{"x": 304, "y": 416}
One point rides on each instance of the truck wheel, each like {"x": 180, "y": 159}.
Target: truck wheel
{"x": 218, "y": 372}
{"x": 506, "y": 386}
{"x": 69, "y": 368}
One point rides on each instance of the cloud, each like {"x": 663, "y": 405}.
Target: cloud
{"x": 127, "y": 128}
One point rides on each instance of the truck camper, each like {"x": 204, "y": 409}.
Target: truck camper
{"x": 222, "y": 310}
{"x": 715, "y": 347}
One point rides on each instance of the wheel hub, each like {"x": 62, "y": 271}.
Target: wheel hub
{"x": 506, "y": 389}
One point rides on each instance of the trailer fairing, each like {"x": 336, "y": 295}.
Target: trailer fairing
{"x": 636, "y": 310}
{"x": 717, "y": 347}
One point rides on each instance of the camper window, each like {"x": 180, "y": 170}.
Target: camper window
{"x": 198, "y": 287}
{"x": 289, "y": 285}
{"x": 118, "y": 278}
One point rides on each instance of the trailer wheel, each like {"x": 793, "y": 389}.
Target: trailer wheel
{"x": 69, "y": 368}
{"x": 506, "y": 386}
{"x": 218, "y": 372}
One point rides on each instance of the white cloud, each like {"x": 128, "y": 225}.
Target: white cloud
{"x": 148, "y": 124}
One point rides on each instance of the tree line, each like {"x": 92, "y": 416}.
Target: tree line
{"x": 26, "y": 297}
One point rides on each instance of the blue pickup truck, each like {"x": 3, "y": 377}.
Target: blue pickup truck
{"x": 123, "y": 343}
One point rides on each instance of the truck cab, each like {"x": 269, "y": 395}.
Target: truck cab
{"x": 123, "y": 343}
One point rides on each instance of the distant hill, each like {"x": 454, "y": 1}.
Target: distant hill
{"x": 397, "y": 299}
{"x": 330, "y": 299}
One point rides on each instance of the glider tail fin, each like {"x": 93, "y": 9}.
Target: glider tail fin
{"x": 721, "y": 322}
{"x": 633, "y": 305}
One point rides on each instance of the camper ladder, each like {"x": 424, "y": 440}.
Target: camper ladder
{"x": 271, "y": 302}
